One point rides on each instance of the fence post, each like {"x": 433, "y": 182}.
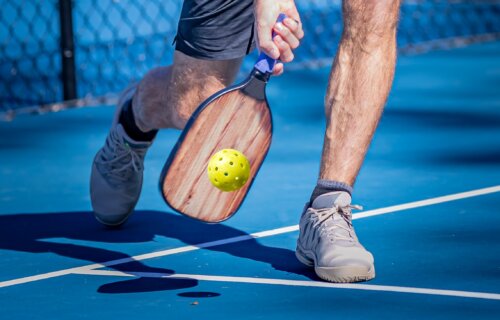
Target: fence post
{"x": 68, "y": 76}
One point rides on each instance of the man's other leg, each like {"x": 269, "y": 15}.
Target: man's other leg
{"x": 165, "y": 98}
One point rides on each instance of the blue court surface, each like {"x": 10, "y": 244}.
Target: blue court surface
{"x": 430, "y": 187}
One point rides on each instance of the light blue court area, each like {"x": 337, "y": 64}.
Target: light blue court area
{"x": 430, "y": 187}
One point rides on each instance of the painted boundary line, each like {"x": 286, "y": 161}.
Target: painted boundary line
{"x": 262, "y": 234}
{"x": 428, "y": 202}
{"x": 300, "y": 283}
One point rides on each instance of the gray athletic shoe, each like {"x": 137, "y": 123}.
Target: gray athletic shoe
{"x": 117, "y": 173}
{"x": 328, "y": 242}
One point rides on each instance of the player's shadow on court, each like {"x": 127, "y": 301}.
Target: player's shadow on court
{"x": 67, "y": 234}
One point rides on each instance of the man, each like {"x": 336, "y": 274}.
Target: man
{"x": 213, "y": 37}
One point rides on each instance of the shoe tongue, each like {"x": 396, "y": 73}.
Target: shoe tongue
{"x": 331, "y": 199}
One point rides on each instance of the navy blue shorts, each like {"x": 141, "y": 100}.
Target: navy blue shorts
{"x": 216, "y": 29}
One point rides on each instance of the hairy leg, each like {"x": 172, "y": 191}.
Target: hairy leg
{"x": 360, "y": 81}
{"x": 167, "y": 96}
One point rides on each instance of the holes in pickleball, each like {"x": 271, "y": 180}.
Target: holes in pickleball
{"x": 230, "y": 168}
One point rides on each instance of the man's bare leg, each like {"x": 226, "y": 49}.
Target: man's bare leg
{"x": 359, "y": 84}
{"x": 167, "y": 96}
{"x": 360, "y": 81}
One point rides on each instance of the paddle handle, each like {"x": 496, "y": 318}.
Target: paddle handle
{"x": 265, "y": 63}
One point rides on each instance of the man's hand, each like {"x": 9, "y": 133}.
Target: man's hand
{"x": 288, "y": 33}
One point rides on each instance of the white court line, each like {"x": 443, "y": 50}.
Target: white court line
{"x": 428, "y": 202}
{"x": 300, "y": 283}
{"x": 262, "y": 234}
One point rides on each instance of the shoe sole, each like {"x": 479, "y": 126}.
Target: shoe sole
{"x": 112, "y": 225}
{"x": 336, "y": 274}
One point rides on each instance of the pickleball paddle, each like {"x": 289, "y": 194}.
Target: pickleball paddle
{"x": 237, "y": 117}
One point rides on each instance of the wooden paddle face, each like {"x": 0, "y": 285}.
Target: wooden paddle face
{"x": 234, "y": 120}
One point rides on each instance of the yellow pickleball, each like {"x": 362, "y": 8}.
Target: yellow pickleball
{"x": 228, "y": 170}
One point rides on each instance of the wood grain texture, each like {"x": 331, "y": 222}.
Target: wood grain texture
{"x": 235, "y": 121}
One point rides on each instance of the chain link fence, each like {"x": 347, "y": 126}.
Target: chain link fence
{"x": 116, "y": 41}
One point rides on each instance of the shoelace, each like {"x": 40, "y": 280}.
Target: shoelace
{"x": 119, "y": 159}
{"x": 328, "y": 213}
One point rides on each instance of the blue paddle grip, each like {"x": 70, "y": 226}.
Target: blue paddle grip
{"x": 265, "y": 63}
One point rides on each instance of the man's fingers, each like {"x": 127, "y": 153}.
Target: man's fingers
{"x": 278, "y": 69}
{"x": 286, "y": 54}
{"x": 295, "y": 27}
{"x": 287, "y": 35}
{"x": 293, "y": 21}
{"x": 265, "y": 40}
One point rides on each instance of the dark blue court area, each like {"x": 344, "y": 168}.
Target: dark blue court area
{"x": 430, "y": 188}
